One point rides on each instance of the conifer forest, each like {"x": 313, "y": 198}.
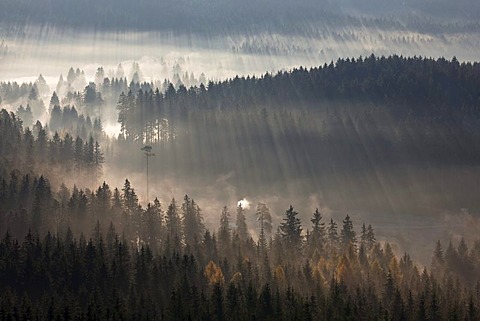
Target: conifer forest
{"x": 239, "y": 161}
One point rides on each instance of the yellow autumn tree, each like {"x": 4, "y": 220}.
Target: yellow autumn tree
{"x": 237, "y": 278}
{"x": 214, "y": 274}
{"x": 343, "y": 271}
{"x": 321, "y": 271}
{"x": 395, "y": 270}
{"x": 279, "y": 275}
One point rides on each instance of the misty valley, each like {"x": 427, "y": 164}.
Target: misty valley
{"x": 215, "y": 160}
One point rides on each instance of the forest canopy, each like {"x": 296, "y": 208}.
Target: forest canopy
{"x": 74, "y": 247}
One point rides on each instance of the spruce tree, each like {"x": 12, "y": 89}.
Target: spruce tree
{"x": 241, "y": 223}
{"x": 291, "y": 229}
{"x": 349, "y": 238}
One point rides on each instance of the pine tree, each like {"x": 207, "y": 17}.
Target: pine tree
{"x": 42, "y": 205}
{"x": 370, "y": 238}
{"x": 102, "y": 202}
{"x": 191, "y": 221}
{"x": 41, "y": 142}
{"x": 333, "y": 237}
{"x": 241, "y": 224}
{"x": 348, "y": 235}
{"x": 173, "y": 224}
{"x": 131, "y": 215}
{"x": 363, "y": 235}
{"x": 152, "y": 224}
{"x": 291, "y": 229}
{"x": 89, "y": 153}
{"x": 54, "y": 101}
{"x": 438, "y": 260}
{"x": 224, "y": 229}
{"x": 78, "y": 154}
{"x": 98, "y": 160}
{"x": 316, "y": 238}
{"x": 265, "y": 220}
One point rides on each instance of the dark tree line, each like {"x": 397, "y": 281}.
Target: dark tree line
{"x": 159, "y": 262}
{"x": 175, "y": 269}
{"x": 394, "y": 80}
{"x": 67, "y": 120}
{"x": 35, "y": 150}
{"x": 439, "y": 91}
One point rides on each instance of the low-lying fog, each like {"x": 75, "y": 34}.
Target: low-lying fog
{"x": 52, "y": 52}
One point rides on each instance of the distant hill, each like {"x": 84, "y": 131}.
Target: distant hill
{"x": 217, "y": 17}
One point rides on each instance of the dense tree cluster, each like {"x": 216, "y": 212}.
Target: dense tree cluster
{"x": 67, "y": 120}
{"x": 140, "y": 117}
{"x": 12, "y": 91}
{"x": 75, "y": 81}
{"x": 28, "y": 94}
{"x": 167, "y": 264}
{"x": 35, "y": 150}
{"x": 172, "y": 268}
{"x": 457, "y": 262}
{"x": 89, "y": 101}
{"x": 394, "y": 80}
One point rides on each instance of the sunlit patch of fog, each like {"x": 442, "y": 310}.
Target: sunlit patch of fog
{"x": 111, "y": 129}
{"x": 244, "y": 203}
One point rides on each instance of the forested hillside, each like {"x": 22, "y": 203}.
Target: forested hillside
{"x": 166, "y": 265}
{"x": 248, "y": 160}
{"x": 325, "y": 127}
{"x": 74, "y": 248}
{"x": 370, "y": 134}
